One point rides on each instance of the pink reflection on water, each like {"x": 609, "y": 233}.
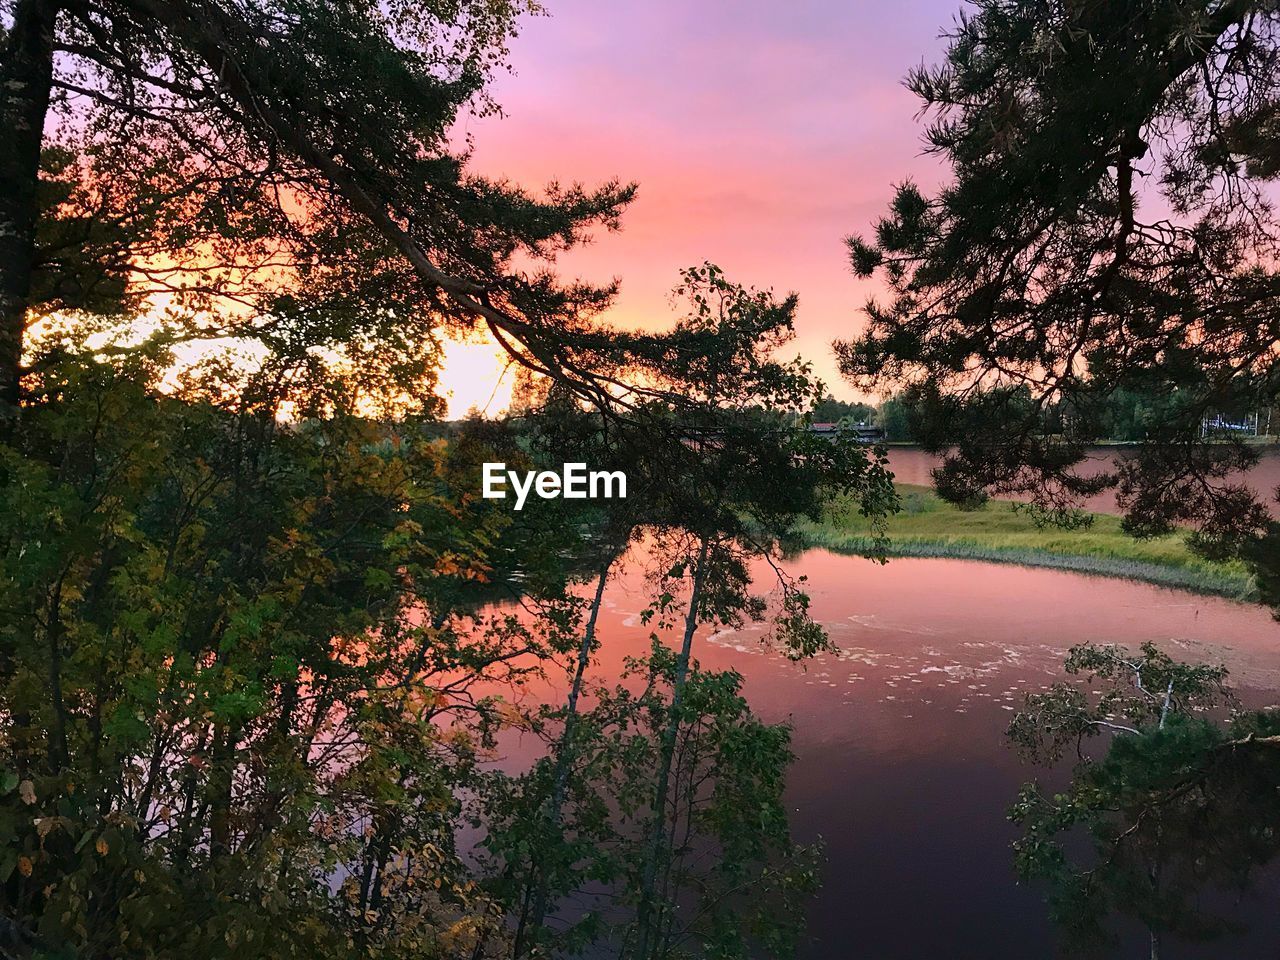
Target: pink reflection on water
{"x": 901, "y": 764}
{"x": 912, "y": 465}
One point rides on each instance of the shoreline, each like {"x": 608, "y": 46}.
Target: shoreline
{"x": 927, "y": 527}
{"x": 1227, "y": 587}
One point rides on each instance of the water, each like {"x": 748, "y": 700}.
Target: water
{"x": 912, "y": 465}
{"x": 902, "y": 767}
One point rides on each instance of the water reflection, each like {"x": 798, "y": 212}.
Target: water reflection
{"x": 902, "y": 764}
{"x": 912, "y": 465}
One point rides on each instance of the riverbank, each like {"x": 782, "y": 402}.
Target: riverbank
{"x": 999, "y": 533}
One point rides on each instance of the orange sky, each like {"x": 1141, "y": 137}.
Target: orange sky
{"x": 760, "y": 134}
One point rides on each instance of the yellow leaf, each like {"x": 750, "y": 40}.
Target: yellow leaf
{"x": 24, "y": 866}
{"x": 101, "y": 846}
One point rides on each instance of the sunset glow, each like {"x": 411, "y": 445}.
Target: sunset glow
{"x": 435, "y": 521}
{"x": 476, "y": 376}
{"x": 760, "y": 136}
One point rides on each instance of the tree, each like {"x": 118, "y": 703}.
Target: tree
{"x": 742, "y": 479}
{"x": 1105, "y": 233}
{"x": 283, "y": 173}
{"x": 1105, "y": 229}
{"x": 893, "y": 418}
{"x": 250, "y": 653}
{"x": 546, "y": 864}
{"x": 831, "y": 410}
{"x": 713, "y": 486}
{"x": 1175, "y": 806}
{"x": 733, "y": 882}
{"x": 250, "y": 645}
{"x": 226, "y": 699}
{"x": 1129, "y": 415}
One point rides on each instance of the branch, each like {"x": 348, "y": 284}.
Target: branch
{"x": 1120, "y": 727}
{"x": 217, "y": 38}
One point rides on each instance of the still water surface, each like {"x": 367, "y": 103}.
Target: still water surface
{"x": 912, "y": 465}
{"x": 902, "y": 768}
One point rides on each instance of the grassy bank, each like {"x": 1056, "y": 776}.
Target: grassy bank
{"x": 929, "y": 527}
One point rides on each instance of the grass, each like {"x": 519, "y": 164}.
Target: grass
{"x": 929, "y": 527}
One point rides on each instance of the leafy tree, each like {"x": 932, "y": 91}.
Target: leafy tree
{"x": 734, "y": 882}
{"x": 1134, "y": 416}
{"x": 255, "y": 673}
{"x": 546, "y": 864}
{"x": 831, "y": 410}
{"x": 215, "y": 676}
{"x": 713, "y": 485}
{"x": 250, "y": 633}
{"x": 739, "y": 880}
{"x": 1177, "y": 806}
{"x": 893, "y": 418}
{"x": 1105, "y": 235}
{"x": 284, "y": 174}
{"x": 1106, "y": 229}
{"x": 742, "y": 480}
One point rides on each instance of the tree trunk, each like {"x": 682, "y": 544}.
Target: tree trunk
{"x": 531, "y": 922}
{"x": 26, "y": 76}
{"x": 59, "y": 746}
{"x": 222, "y": 776}
{"x": 647, "y": 921}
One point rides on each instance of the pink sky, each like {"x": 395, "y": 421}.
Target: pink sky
{"x": 760, "y": 133}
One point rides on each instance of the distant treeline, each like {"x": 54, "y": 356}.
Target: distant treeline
{"x": 1124, "y": 415}
{"x": 890, "y": 415}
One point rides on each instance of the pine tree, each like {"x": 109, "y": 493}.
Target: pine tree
{"x": 1105, "y": 228}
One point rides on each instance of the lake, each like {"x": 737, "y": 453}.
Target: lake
{"x": 912, "y": 465}
{"x": 902, "y": 767}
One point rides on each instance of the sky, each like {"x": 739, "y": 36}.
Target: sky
{"x": 760, "y": 133}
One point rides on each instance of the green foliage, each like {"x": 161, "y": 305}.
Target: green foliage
{"x": 831, "y": 410}
{"x": 1135, "y": 693}
{"x": 1177, "y": 806}
{"x": 1099, "y": 264}
{"x": 734, "y": 882}
{"x": 258, "y": 671}
{"x": 253, "y": 658}
{"x": 715, "y": 483}
{"x": 223, "y": 704}
{"x": 1134, "y": 415}
{"x": 892, "y": 417}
